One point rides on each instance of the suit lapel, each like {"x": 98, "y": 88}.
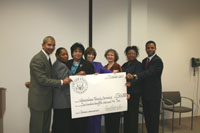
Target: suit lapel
{"x": 152, "y": 60}
{"x": 44, "y": 58}
{"x": 80, "y": 66}
{"x": 145, "y": 60}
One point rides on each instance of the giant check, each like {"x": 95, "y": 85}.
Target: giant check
{"x": 98, "y": 94}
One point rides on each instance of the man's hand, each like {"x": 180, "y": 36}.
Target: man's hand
{"x": 67, "y": 80}
{"x": 27, "y": 84}
{"x": 135, "y": 76}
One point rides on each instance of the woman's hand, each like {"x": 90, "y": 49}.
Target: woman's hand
{"x": 115, "y": 71}
{"x": 81, "y": 73}
{"x": 128, "y": 96}
{"x": 128, "y": 84}
{"x": 129, "y": 76}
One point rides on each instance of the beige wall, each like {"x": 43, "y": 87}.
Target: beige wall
{"x": 110, "y": 27}
{"x": 173, "y": 24}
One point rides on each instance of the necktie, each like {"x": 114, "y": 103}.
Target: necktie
{"x": 50, "y": 62}
{"x": 147, "y": 63}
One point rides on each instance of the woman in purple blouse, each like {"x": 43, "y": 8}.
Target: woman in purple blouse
{"x": 94, "y": 125}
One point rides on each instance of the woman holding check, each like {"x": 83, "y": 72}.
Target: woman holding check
{"x": 94, "y": 122}
{"x": 112, "y": 120}
{"x": 79, "y": 66}
{"x": 132, "y": 66}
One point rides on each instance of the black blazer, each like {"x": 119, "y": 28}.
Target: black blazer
{"x": 134, "y": 67}
{"x": 152, "y": 86}
{"x": 83, "y": 66}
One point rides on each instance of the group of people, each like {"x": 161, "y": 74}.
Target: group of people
{"x": 49, "y": 87}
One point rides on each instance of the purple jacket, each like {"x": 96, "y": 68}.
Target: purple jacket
{"x": 98, "y": 68}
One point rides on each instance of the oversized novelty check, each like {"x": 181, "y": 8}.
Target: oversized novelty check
{"x": 98, "y": 94}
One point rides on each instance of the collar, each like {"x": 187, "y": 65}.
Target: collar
{"x": 46, "y": 54}
{"x": 76, "y": 65}
{"x": 151, "y": 57}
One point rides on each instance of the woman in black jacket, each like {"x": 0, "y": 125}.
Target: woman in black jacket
{"x": 79, "y": 66}
{"x": 132, "y": 66}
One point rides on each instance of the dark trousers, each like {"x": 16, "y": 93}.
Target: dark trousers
{"x": 94, "y": 124}
{"x": 151, "y": 109}
{"x": 112, "y": 122}
{"x": 40, "y": 121}
{"x": 80, "y": 125}
{"x": 62, "y": 122}
{"x": 131, "y": 115}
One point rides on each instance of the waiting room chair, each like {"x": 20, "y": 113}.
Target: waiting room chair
{"x": 171, "y": 99}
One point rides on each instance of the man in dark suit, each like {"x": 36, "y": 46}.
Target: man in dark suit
{"x": 152, "y": 87}
{"x": 40, "y": 88}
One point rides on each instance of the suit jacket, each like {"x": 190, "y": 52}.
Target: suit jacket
{"x": 61, "y": 95}
{"x": 99, "y": 68}
{"x": 134, "y": 67}
{"x": 83, "y": 66}
{"x": 40, "y": 91}
{"x": 152, "y": 86}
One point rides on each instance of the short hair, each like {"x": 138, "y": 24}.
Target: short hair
{"x": 135, "y": 48}
{"x": 58, "y": 51}
{"x": 90, "y": 50}
{"x": 115, "y": 54}
{"x": 77, "y": 46}
{"x": 46, "y": 38}
{"x": 149, "y": 42}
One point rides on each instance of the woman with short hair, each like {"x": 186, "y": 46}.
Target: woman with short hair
{"x": 94, "y": 121}
{"x": 112, "y": 120}
{"x": 79, "y": 66}
{"x": 132, "y": 66}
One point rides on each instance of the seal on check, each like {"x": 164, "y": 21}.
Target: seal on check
{"x": 79, "y": 85}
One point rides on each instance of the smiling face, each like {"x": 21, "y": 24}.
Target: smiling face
{"x": 131, "y": 55}
{"x": 49, "y": 46}
{"x": 110, "y": 56}
{"x": 150, "y": 49}
{"x": 90, "y": 57}
{"x": 77, "y": 54}
{"x": 63, "y": 55}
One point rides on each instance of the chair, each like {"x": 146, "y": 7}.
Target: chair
{"x": 171, "y": 99}
{"x": 161, "y": 113}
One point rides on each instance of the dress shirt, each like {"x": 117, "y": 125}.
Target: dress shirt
{"x": 46, "y": 54}
{"x": 151, "y": 57}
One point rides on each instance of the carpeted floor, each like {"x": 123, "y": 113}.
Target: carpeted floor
{"x": 185, "y": 126}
